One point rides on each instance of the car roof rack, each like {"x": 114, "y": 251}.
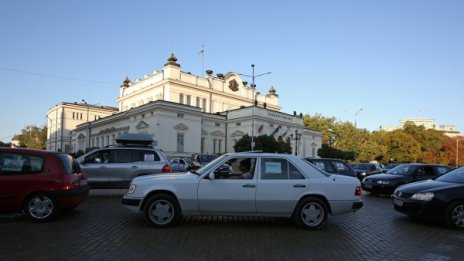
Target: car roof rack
{"x": 134, "y": 140}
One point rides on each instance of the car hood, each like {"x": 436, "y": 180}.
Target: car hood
{"x": 388, "y": 177}
{"x": 427, "y": 186}
{"x": 166, "y": 176}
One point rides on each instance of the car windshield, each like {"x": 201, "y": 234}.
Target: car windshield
{"x": 454, "y": 176}
{"x": 361, "y": 166}
{"x": 209, "y": 166}
{"x": 207, "y": 158}
{"x": 402, "y": 170}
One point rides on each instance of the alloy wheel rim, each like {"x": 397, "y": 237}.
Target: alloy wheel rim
{"x": 312, "y": 214}
{"x": 161, "y": 212}
{"x": 40, "y": 207}
{"x": 458, "y": 216}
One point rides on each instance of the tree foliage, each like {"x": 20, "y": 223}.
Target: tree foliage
{"x": 265, "y": 143}
{"x": 410, "y": 144}
{"x": 32, "y": 137}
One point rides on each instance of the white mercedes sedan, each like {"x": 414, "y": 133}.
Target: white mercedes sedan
{"x": 246, "y": 184}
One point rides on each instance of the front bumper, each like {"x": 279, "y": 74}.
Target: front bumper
{"x": 431, "y": 210}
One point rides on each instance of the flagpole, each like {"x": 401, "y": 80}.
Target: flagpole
{"x": 202, "y": 60}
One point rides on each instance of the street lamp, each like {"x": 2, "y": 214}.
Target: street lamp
{"x": 296, "y": 137}
{"x": 88, "y": 123}
{"x": 356, "y": 132}
{"x": 255, "y": 101}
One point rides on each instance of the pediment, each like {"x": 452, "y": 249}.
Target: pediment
{"x": 237, "y": 133}
{"x": 81, "y": 136}
{"x": 142, "y": 125}
{"x": 181, "y": 127}
{"x": 218, "y": 134}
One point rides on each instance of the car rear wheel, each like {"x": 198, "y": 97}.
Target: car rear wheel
{"x": 454, "y": 215}
{"x": 41, "y": 207}
{"x": 311, "y": 213}
{"x": 162, "y": 211}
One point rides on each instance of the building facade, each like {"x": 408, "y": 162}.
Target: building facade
{"x": 428, "y": 123}
{"x": 187, "y": 114}
{"x": 65, "y": 116}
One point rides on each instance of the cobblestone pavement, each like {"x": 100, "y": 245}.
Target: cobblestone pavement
{"x": 103, "y": 229}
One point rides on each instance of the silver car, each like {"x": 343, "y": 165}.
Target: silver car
{"x": 280, "y": 185}
{"x": 116, "y": 166}
{"x": 180, "y": 164}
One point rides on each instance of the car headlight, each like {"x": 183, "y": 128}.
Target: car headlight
{"x": 131, "y": 189}
{"x": 423, "y": 196}
{"x": 383, "y": 182}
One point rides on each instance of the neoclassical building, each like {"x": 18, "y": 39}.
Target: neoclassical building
{"x": 186, "y": 113}
{"x": 65, "y": 116}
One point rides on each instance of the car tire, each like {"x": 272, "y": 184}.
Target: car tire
{"x": 454, "y": 215}
{"x": 311, "y": 213}
{"x": 162, "y": 211}
{"x": 41, "y": 207}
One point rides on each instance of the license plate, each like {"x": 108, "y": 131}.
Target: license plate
{"x": 397, "y": 202}
{"x": 369, "y": 186}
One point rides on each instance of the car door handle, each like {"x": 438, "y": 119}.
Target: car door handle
{"x": 134, "y": 167}
{"x": 249, "y": 186}
{"x": 299, "y": 186}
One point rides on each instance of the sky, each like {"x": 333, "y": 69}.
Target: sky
{"x": 393, "y": 59}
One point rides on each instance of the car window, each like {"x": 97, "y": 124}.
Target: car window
{"x": 100, "y": 156}
{"x": 340, "y": 166}
{"x": 272, "y": 168}
{"x": 454, "y": 176}
{"x": 145, "y": 155}
{"x": 124, "y": 156}
{"x": 20, "y": 163}
{"x": 442, "y": 170}
{"x": 319, "y": 164}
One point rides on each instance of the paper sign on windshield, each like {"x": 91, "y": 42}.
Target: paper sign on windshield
{"x": 273, "y": 167}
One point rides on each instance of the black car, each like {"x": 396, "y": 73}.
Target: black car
{"x": 334, "y": 166}
{"x": 365, "y": 169}
{"x": 441, "y": 199}
{"x": 390, "y": 166}
{"x": 387, "y": 182}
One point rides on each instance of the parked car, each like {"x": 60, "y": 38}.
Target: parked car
{"x": 387, "y": 182}
{"x": 281, "y": 185}
{"x": 390, "y": 166}
{"x": 365, "y": 169}
{"x": 198, "y": 160}
{"x": 180, "y": 164}
{"x": 116, "y": 166}
{"x": 40, "y": 183}
{"x": 441, "y": 199}
{"x": 333, "y": 166}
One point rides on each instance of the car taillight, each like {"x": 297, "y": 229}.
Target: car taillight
{"x": 166, "y": 168}
{"x": 358, "y": 191}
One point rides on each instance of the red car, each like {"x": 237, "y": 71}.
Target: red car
{"x": 40, "y": 183}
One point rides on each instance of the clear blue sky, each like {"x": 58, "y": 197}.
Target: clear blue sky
{"x": 395, "y": 59}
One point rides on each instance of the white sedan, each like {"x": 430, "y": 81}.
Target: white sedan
{"x": 281, "y": 185}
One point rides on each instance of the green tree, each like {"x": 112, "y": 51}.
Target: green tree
{"x": 32, "y": 137}
{"x": 265, "y": 143}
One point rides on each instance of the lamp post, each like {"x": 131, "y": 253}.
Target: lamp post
{"x": 87, "y": 145}
{"x": 296, "y": 137}
{"x": 457, "y": 151}
{"x": 356, "y": 132}
{"x": 255, "y": 101}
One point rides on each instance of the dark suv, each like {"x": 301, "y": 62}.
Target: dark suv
{"x": 116, "y": 166}
{"x": 40, "y": 183}
{"x": 333, "y": 166}
{"x": 387, "y": 182}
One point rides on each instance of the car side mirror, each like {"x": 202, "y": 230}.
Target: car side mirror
{"x": 223, "y": 170}
{"x": 212, "y": 175}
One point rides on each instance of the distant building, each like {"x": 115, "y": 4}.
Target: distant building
{"x": 187, "y": 114}
{"x": 65, "y": 116}
{"x": 428, "y": 123}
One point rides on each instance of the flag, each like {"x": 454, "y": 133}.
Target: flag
{"x": 202, "y": 51}
{"x": 285, "y": 133}
{"x": 276, "y": 130}
{"x": 260, "y": 129}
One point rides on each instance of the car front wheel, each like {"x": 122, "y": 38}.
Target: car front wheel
{"x": 162, "y": 211}
{"x": 311, "y": 213}
{"x": 41, "y": 207}
{"x": 454, "y": 215}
